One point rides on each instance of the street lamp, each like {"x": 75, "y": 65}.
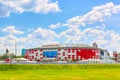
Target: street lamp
{"x": 16, "y": 51}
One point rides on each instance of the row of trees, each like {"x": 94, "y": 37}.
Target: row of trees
{"x": 6, "y": 55}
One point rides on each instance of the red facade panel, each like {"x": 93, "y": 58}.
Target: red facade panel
{"x": 73, "y": 57}
{"x": 58, "y": 49}
{"x": 68, "y": 50}
{"x": 40, "y": 58}
{"x": 63, "y": 53}
{"x": 65, "y": 49}
{"x": 58, "y": 58}
{"x": 71, "y": 53}
{"x": 58, "y": 53}
{"x": 68, "y": 56}
{"x": 115, "y": 55}
{"x": 85, "y": 53}
{"x": 36, "y": 54}
{"x": 72, "y": 50}
{"x": 65, "y": 58}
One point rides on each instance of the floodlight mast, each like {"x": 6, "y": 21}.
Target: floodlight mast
{"x": 15, "y": 51}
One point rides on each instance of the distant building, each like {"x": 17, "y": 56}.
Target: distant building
{"x": 95, "y": 45}
{"x": 23, "y": 52}
{"x": 64, "y": 52}
{"x": 116, "y": 56}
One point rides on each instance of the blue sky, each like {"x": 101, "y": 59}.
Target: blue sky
{"x": 31, "y": 23}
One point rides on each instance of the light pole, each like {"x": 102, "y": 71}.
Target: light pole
{"x": 16, "y": 51}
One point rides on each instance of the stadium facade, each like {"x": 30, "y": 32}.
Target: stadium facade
{"x": 65, "y": 52}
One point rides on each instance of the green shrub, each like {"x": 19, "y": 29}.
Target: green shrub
{"x": 4, "y": 67}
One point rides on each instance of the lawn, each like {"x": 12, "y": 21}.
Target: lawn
{"x": 60, "y": 72}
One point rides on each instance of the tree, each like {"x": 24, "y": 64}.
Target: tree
{"x": 7, "y": 51}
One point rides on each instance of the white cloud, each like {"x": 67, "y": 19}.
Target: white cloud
{"x": 9, "y": 42}
{"x": 94, "y": 32}
{"x": 101, "y": 27}
{"x": 114, "y": 40}
{"x": 30, "y": 30}
{"x": 101, "y": 41}
{"x": 42, "y": 35}
{"x": 45, "y": 6}
{"x": 54, "y": 26}
{"x": 106, "y": 39}
{"x": 12, "y": 30}
{"x": 73, "y": 35}
{"x": 97, "y": 14}
{"x": 19, "y": 6}
{"x": 76, "y": 35}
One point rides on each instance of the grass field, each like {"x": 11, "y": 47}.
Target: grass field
{"x": 60, "y": 72}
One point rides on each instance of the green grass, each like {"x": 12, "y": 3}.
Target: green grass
{"x": 60, "y": 72}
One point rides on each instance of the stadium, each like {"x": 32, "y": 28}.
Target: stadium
{"x": 65, "y": 52}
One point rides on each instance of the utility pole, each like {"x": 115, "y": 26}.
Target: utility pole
{"x": 15, "y": 51}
